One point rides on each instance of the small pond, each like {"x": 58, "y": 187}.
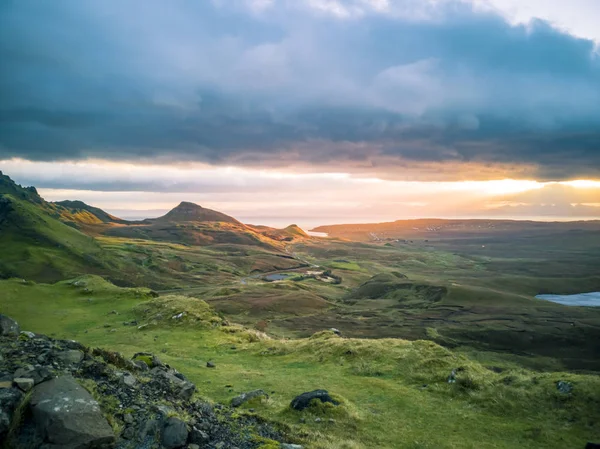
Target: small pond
{"x": 582, "y": 299}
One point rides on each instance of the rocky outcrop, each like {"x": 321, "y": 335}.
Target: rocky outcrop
{"x": 245, "y": 397}
{"x": 303, "y": 401}
{"x": 8, "y": 326}
{"x": 61, "y": 394}
{"x": 66, "y": 416}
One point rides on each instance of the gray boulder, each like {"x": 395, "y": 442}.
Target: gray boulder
{"x": 185, "y": 388}
{"x": 70, "y": 357}
{"x": 24, "y": 383}
{"x": 245, "y": 397}
{"x": 38, "y": 373}
{"x": 67, "y": 416}
{"x": 9, "y": 399}
{"x": 175, "y": 434}
{"x": 303, "y": 401}
{"x": 8, "y": 326}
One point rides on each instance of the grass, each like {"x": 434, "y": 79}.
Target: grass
{"x": 379, "y": 382}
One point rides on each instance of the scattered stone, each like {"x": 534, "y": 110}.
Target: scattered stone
{"x": 336, "y": 331}
{"x": 148, "y": 358}
{"x": 128, "y": 433}
{"x": 26, "y": 334}
{"x": 8, "y": 326}
{"x": 175, "y": 433}
{"x": 318, "y": 420}
{"x": 210, "y": 365}
{"x": 245, "y": 397}
{"x": 70, "y": 357}
{"x": 128, "y": 418}
{"x": 129, "y": 380}
{"x": 303, "y": 401}
{"x": 9, "y": 399}
{"x": 38, "y": 373}
{"x": 68, "y": 417}
{"x": 198, "y": 436}
{"x": 24, "y": 383}
{"x": 193, "y": 446}
{"x": 331, "y": 421}
{"x": 291, "y": 446}
{"x": 564, "y": 387}
{"x": 452, "y": 377}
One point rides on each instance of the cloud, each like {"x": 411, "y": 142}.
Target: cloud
{"x": 397, "y": 89}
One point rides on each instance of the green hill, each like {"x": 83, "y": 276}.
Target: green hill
{"x": 37, "y": 246}
{"x": 78, "y": 211}
{"x": 191, "y": 224}
{"x": 185, "y": 212}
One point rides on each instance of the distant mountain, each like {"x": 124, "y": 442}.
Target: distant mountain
{"x": 191, "y": 224}
{"x": 75, "y": 213}
{"x": 436, "y": 228}
{"x": 186, "y": 212}
{"x": 79, "y": 211}
{"x": 288, "y": 234}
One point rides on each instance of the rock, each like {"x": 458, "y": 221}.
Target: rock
{"x": 210, "y": 365}
{"x": 303, "y": 401}
{"x": 186, "y": 388}
{"x": 68, "y": 417}
{"x": 148, "y": 358}
{"x": 193, "y": 446}
{"x": 318, "y": 420}
{"x": 8, "y": 326}
{"x": 26, "y": 334}
{"x": 564, "y": 387}
{"x": 129, "y": 380}
{"x": 9, "y": 399}
{"x": 175, "y": 434}
{"x": 198, "y": 436}
{"x": 291, "y": 446}
{"x": 244, "y": 397}
{"x": 128, "y": 433}
{"x": 128, "y": 418}
{"x": 336, "y": 331}
{"x": 452, "y": 377}
{"x": 24, "y": 383}
{"x": 220, "y": 445}
{"x": 38, "y": 373}
{"x": 70, "y": 357}
{"x": 148, "y": 428}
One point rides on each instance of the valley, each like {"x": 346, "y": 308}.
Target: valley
{"x": 380, "y": 317}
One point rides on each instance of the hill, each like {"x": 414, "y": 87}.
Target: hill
{"x": 442, "y": 398}
{"x": 435, "y": 228}
{"x": 78, "y": 211}
{"x": 191, "y": 224}
{"x": 37, "y": 246}
{"x": 186, "y": 212}
{"x": 75, "y": 213}
{"x": 288, "y": 234}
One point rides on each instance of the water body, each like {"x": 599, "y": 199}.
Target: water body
{"x": 582, "y": 299}
{"x": 317, "y": 234}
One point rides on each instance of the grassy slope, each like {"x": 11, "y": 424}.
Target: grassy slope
{"x": 37, "y": 246}
{"x": 380, "y": 381}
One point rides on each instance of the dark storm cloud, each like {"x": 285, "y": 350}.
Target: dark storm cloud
{"x": 228, "y": 82}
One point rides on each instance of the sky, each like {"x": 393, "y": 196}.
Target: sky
{"x": 307, "y": 111}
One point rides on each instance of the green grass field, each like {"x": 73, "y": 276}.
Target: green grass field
{"x": 381, "y": 382}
